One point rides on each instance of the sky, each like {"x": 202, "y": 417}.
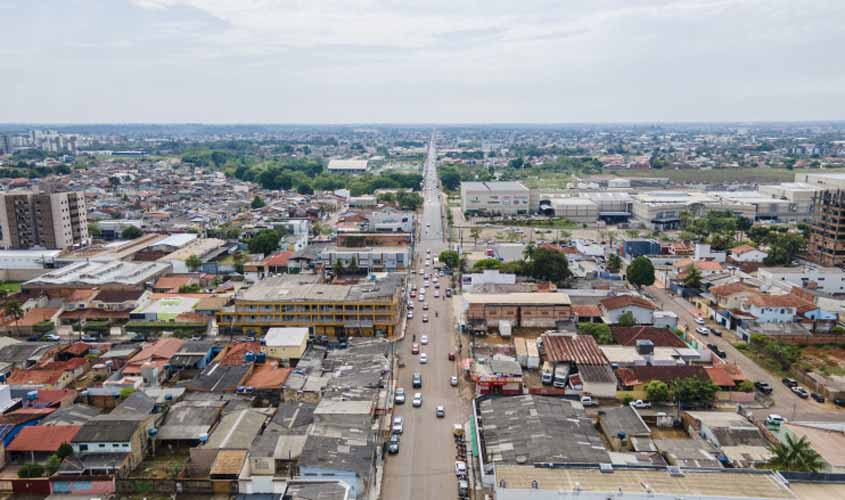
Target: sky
{"x": 421, "y": 61}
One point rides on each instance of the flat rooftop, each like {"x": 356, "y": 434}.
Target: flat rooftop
{"x": 293, "y": 289}
{"x": 539, "y": 299}
{"x": 494, "y": 186}
{"x": 723, "y": 484}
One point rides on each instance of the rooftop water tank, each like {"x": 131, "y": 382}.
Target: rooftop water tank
{"x": 204, "y": 437}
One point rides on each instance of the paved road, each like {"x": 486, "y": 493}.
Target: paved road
{"x": 786, "y": 403}
{"x": 424, "y": 466}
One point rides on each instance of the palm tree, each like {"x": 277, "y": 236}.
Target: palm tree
{"x": 475, "y": 233}
{"x": 528, "y": 252}
{"x": 13, "y": 308}
{"x": 796, "y": 456}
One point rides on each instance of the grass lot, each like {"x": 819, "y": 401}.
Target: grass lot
{"x": 165, "y": 465}
{"x": 716, "y": 175}
{"x": 10, "y": 287}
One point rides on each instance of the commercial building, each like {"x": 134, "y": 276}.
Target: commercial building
{"x": 369, "y": 259}
{"x": 49, "y": 220}
{"x": 662, "y": 210}
{"x": 285, "y": 343}
{"x": 348, "y": 165}
{"x": 826, "y": 245}
{"x": 501, "y": 198}
{"x": 535, "y": 310}
{"x": 822, "y": 279}
{"x": 798, "y": 194}
{"x": 113, "y": 274}
{"x": 822, "y": 181}
{"x": 365, "y": 309}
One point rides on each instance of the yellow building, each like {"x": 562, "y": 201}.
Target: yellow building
{"x": 285, "y": 343}
{"x": 364, "y": 309}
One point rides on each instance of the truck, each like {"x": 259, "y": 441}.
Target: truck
{"x": 561, "y": 375}
{"x": 547, "y": 375}
{"x": 533, "y": 354}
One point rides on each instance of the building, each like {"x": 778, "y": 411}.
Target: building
{"x": 365, "y": 309}
{"x": 285, "y": 343}
{"x": 826, "y": 245}
{"x": 501, "y": 198}
{"x": 747, "y": 253}
{"x": 799, "y": 195}
{"x": 614, "y": 307}
{"x": 829, "y": 280}
{"x": 368, "y": 259}
{"x": 662, "y": 210}
{"x": 822, "y": 181}
{"x": 87, "y": 274}
{"x": 575, "y": 209}
{"x": 535, "y": 310}
{"x": 486, "y": 277}
{"x": 49, "y": 220}
{"x": 338, "y": 165}
{"x": 124, "y": 442}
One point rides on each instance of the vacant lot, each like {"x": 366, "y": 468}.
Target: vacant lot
{"x": 716, "y": 175}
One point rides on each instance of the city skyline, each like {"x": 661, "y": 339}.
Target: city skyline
{"x": 262, "y": 62}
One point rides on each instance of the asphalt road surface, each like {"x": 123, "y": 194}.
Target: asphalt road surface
{"x": 424, "y": 466}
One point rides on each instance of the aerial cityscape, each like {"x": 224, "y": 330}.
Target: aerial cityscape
{"x": 371, "y": 250}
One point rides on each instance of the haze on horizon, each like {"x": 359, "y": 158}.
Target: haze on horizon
{"x": 437, "y": 61}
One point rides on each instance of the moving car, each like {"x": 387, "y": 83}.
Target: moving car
{"x": 425, "y": 306}
{"x": 415, "y": 348}
{"x": 410, "y": 314}
{"x": 417, "y": 402}
{"x": 448, "y": 292}
{"x": 839, "y": 402}
{"x": 699, "y": 321}
{"x": 393, "y": 445}
{"x": 588, "y": 401}
{"x": 422, "y": 297}
{"x": 640, "y": 404}
{"x": 717, "y": 332}
{"x": 703, "y": 330}
{"x": 424, "y": 340}
{"x": 416, "y": 382}
{"x": 425, "y": 318}
{"x": 436, "y": 294}
{"x": 52, "y": 337}
{"x": 398, "y": 425}
{"x": 440, "y": 412}
{"x": 774, "y": 419}
{"x": 423, "y": 358}
{"x": 453, "y": 381}
{"x": 399, "y": 396}
{"x": 764, "y": 387}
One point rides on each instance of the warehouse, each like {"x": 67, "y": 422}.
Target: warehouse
{"x": 495, "y": 198}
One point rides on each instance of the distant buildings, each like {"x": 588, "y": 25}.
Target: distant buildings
{"x": 827, "y": 239}
{"x": 348, "y": 165}
{"x": 49, "y": 220}
{"x": 503, "y": 198}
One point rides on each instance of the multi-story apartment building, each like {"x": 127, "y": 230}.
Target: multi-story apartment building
{"x": 366, "y": 309}
{"x": 826, "y": 246}
{"x": 49, "y": 220}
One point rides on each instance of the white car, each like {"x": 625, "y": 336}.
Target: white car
{"x": 398, "y": 425}
{"x": 699, "y": 321}
{"x": 453, "y": 381}
{"x": 410, "y": 314}
{"x": 425, "y": 307}
{"x": 703, "y": 330}
{"x": 424, "y": 340}
{"x": 417, "y": 402}
{"x": 436, "y": 293}
{"x": 640, "y": 404}
{"x": 423, "y": 358}
{"x": 422, "y": 297}
{"x": 440, "y": 412}
{"x": 399, "y": 396}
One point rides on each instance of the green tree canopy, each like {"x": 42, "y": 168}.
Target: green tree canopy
{"x": 693, "y": 277}
{"x": 94, "y": 230}
{"x": 193, "y": 262}
{"x": 614, "y": 263}
{"x": 131, "y": 232}
{"x": 451, "y": 258}
{"x": 694, "y": 390}
{"x": 627, "y": 319}
{"x": 657, "y": 391}
{"x": 257, "y": 202}
{"x": 641, "y": 272}
{"x": 795, "y": 455}
{"x": 484, "y": 264}
{"x": 600, "y": 331}
{"x": 548, "y": 264}
{"x": 409, "y": 201}
{"x": 265, "y": 242}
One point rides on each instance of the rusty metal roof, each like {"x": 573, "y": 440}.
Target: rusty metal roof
{"x": 580, "y": 349}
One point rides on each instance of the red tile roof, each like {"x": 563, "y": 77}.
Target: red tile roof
{"x": 586, "y": 310}
{"x": 158, "y": 353}
{"x": 279, "y": 260}
{"x": 730, "y": 289}
{"x": 581, "y": 349}
{"x": 55, "y": 395}
{"x": 235, "y": 353}
{"x": 34, "y": 377}
{"x": 719, "y": 376}
{"x": 268, "y": 376}
{"x": 43, "y": 438}
{"x": 620, "y": 301}
{"x": 661, "y": 337}
{"x": 78, "y": 349}
{"x": 742, "y": 249}
{"x": 765, "y": 300}
{"x": 173, "y": 282}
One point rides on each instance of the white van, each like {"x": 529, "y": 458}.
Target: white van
{"x": 548, "y": 373}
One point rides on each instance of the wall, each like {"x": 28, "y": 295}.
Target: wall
{"x": 641, "y": 315}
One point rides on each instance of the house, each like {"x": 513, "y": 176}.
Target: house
{"x": 236, "y": 431}
{"x": 614, "y": 307}
{"x": 732, "y": 295}
{"x": 36, "y": 443}
{"x": 58, "y": 377}
{"x": 285, "y": 343}
{"x": 634, "y": 378}
{"x": 771, "y": 308}
{"x": 186, "y": 421}
{"x": 704, "y": 267}
{"x": 747, "y": 253}
{"x": 154, "y": 356}
{"x": 659, "y": 337}
{"x": 739, "y": 440}
{"x": 621, "y": 424}
{"x": 194, "y": 355}
{"x": 124, "y": 440}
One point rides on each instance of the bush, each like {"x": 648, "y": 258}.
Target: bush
{"x": 628, "y": 399}
{"x": 745, "y": 386}
{"x": 31, "y": 470}
{"x": 657, "y": 390}
{"x": 741, "y": 346}
{"x": 600, "y": 331}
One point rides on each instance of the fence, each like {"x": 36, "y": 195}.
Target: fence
{"x": 132, "y": 486}
{"x": 736, "y": 397}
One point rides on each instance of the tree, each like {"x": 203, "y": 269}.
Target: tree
{"x": 475, "y": 233}
{"x": 485, "y": 264}
{"x": 53, "y": 463}
{"x": 451, "y": 258}
{"x": 512, "y": 267}
{"x": 265, "y": 242}
{"x": 600, "y": 331}
{"x": 126, "y": 392}
{"x": 745, "y": 386}
{"x": 409, "y": 201}
{"x": 693, "y": 277}
{"x": 14, "y": 310}
{"x": 31, "y": 470}
{"x": 549, "y": 265}
{"x": 257, "y": 202}
{"x": 656, "y": 391}
{"x": 353, "y": 265}
{"x": 94, "y": 230}
{"x": 65, "y": 450}
{"x": 193, "y": 262}
{"x": 238, "y": 260}
{"x": 641, "y": 272}
{"x": 694, "y": 390}
{"x": 614, "y": 263}
{"x": 192, "y": 288}
{"x": 131, "y": 232}
{"x": 795, "y": 455}
{"x": 337, "y": 269}
{"x": 627, "y": 319}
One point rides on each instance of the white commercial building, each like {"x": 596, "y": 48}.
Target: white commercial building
{"x": 348, "y": 165}
{"x": 824, "y": 279}
{"x": 487, "y": 277}
{"x": 368, "y": 258}
{"x": 505, "y": 198}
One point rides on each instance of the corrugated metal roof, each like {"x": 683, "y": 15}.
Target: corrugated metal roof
{"x": 580, "y": 349}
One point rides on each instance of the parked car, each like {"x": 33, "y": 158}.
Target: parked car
{"x": 839, "y": 402}
{"x": 415, "y": 348}
{"x": 52, "y": 337}
{"x": 393, "y": 445}
{"x": 774, "y": 419}
{"x": 436, "y": 294}
{"x": 453, "y": 381}
{"x": 789, "y": 382}
{"x": 699, "y": 321}
{"x": 425, "y": 318}
{"x": 417, "y": 381}
{"x": 640, "y": 404}
{"x": 703, "y": 330}
{"x": 440, "y": 412}
{"x": 800, "y": 392}
{"x": 764, "y": 387}
{"x": 717, "y": 332}
{"x": 818, "y": 398}
{"x": 448, "y": 292}
{"x": 90, "y": 338}
{"x": 410, "y": 314}
{"x": 399, "y": 396}
{"x": 398, "y": 425}
{"x": 718, "y": 352}
{"x": 418, "y": 399}
{"x": 425, "y": 306}
{"x": 424, "y": 340}
{"x": 588, "y": 401}
{"x": 423, "y": 358}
